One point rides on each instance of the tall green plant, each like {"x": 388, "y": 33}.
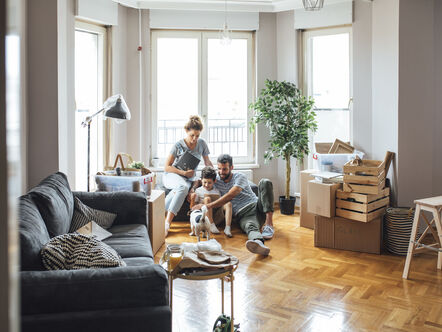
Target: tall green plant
{"x": 289, "y": 116}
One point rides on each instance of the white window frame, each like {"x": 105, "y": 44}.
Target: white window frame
{"x": 101, "y": 32}
{"x": 307, "y": 67}
{"x": 202, "y": 37}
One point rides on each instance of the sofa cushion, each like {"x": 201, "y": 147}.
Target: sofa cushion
{"x": 33, "y": 234}
{"x": 93, "y": 289}
{"x": 130, "y": 241}
{"x": 55, "y": 202}
{"x": 83, "y": 214}
{"x": 77, "y": 251}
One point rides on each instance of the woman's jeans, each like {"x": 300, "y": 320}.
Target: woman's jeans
{"x": 179, "y": 186}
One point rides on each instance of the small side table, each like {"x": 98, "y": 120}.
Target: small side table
{"x": 156, "y": 219}
{"x": 224, "y": 275}
{"x": 433, "y": 205}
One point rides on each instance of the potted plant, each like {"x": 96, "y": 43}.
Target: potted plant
{"x": 289, "y": 116}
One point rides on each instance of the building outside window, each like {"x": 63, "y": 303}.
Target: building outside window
{"x": 90, "y": 71}
{"x": 328, "y": 79}
{"x": 193, "y": 73}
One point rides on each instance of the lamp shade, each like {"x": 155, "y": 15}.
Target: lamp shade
{"x": 115, "y": 107}
{"x": 313, "y": 5}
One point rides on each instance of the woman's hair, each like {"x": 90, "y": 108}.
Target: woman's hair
{"x": 194, "y": 123}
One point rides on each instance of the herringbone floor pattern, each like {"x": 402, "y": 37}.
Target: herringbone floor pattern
{"x": 303, "y": 288}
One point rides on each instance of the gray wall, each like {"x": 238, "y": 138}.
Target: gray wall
{"x": 437, "y": 115}
{"x": 66, "y": 87}
{"x": 42, "y": 90}
{"x": 416, "y": 100}
{"x": 266, "y": 44}
{"x": 119, "y": 79}
{"x": 287, "y": 70}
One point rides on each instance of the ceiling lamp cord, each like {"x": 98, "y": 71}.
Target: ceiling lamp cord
{"x": 225, "y": 33}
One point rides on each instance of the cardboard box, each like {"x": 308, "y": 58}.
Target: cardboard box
{"x": 322, "y": 198}
{"x": 346, "y": 234}
{"x": 306, "y": 219}
{"x": 156, "y": 219}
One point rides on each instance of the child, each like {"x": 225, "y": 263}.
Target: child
{"x": 206, "y": 194}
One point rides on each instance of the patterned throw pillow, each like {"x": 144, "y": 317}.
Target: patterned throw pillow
{"x": 76, "y": 251}
{"x": 83, "y": 214}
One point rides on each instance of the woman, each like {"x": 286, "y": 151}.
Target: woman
{"x": 180, "y": 181}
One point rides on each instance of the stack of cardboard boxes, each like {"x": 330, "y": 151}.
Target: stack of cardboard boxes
{"x": 318, "y": 212}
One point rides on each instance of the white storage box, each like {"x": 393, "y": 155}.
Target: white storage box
{"x": 333, "y": 162}
{"x": 125, "y": 183}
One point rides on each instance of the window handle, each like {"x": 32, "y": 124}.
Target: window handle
{"x": 350, "y": 102}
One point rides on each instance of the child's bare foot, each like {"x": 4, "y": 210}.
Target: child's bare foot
{"x": 227, "y": 231}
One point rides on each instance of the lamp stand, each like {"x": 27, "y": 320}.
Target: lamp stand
{"x": 88, "y": 154}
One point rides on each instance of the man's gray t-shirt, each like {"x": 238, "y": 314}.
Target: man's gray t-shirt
{"x": 245, "y": 197}
{"x": 201, "y": 149}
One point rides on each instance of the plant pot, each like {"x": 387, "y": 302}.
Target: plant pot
{"x": 287, "y": 206}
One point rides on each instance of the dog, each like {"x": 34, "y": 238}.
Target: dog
{"x": 200, "y": 223}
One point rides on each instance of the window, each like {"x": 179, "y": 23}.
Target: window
{"x": 193, "y": 73}
{"x": 327, "y": 78}
{"x": 89, "y": 93}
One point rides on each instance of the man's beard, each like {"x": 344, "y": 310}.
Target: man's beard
{"x": 224, "y": 177}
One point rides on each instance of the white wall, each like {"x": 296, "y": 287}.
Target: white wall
{"x": 385, "y": 80}
{"x": 362, "y": 91}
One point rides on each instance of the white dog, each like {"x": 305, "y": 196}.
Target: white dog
{"x": 199, "y": 222}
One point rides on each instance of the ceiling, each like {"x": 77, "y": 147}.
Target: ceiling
{"x": 218, "y": 5}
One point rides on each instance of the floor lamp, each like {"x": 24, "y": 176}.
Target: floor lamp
{"x": 115, "y": 108}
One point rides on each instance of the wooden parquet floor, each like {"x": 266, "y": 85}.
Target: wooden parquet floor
{"x": 303, "y": 288}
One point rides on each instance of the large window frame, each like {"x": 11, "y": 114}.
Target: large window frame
{"x": 202, "y": 37}
{"x": 307, "y": 71}
{"x": 101, "y": 125}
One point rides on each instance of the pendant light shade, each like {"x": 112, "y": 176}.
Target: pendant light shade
{"x": 312, "y": 5}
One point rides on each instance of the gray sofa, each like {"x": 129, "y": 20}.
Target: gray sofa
{"x": 130, "y": 298}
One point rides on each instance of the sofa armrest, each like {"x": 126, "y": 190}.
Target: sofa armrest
{"x": 93, "y": 289}
{"x": 130, "y": 207}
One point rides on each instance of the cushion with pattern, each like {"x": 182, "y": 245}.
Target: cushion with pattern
{"x": 84, "y": 214}
{"x": 77, "y": 251}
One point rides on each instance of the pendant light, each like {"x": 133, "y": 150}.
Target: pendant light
{"x": 312, "y": 5}
{"x": 225, "y": 33}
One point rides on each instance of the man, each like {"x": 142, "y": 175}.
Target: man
{"x": 250, "y": 211}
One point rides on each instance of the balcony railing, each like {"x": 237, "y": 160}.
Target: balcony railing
{"x": 224, "y": 136}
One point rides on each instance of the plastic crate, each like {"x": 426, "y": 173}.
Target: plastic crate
{"x": 333, "y": 162}
{"x": 125, "y": 183}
